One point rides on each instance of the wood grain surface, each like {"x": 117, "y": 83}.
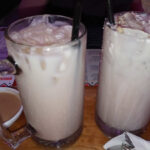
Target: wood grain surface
{"x": 91, "y": 138}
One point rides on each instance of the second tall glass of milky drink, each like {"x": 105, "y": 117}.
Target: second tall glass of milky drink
{"x": 123, "y": 102}
{"x": 50, "y": 76}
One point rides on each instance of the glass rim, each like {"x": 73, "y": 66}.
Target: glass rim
{"x": 69, "y": 43}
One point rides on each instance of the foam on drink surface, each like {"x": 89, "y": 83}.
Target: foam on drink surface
{"x": 134, "y": 21}
{"x": 41, "y": 32}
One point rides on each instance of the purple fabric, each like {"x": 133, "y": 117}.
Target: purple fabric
{"x": 3, "y": 49}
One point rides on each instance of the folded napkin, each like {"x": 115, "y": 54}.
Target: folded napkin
{"x": 129, "y": 141}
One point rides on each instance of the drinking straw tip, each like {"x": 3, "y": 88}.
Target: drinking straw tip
{"x": 110, "y": 12}
{"x": 76, "y": 20}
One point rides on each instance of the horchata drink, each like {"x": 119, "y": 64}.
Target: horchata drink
{"x": 123, "y": 102}
{"x": 51, "y": 78}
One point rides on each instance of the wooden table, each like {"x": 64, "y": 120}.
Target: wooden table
{"x": 91, "y": 139}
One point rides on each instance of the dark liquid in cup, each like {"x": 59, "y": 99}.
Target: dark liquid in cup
{"x": 9, "y": 105}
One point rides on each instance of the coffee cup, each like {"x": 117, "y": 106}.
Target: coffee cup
{"x": 10, "y": 111}
{"x": 10, "y": 105}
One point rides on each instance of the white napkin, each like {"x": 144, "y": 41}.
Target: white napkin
{"x": 129, "y": 139}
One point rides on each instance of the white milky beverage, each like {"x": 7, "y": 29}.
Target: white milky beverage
{"x": 51, "y": 81}
{"x": 124, "y": 90}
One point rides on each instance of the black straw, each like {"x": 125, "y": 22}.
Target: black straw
{"x": 110, "y": 12}
{"x": 76, "y": 20}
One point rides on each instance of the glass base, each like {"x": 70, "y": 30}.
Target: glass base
{"x": 111, "y": 131}
{"x": 56, "y": 144}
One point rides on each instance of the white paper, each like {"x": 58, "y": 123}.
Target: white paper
{"x": 138, "y": 143}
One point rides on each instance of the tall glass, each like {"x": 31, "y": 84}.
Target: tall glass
{"x": 123, "y": 102}
{"x": 50, "y": 79}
